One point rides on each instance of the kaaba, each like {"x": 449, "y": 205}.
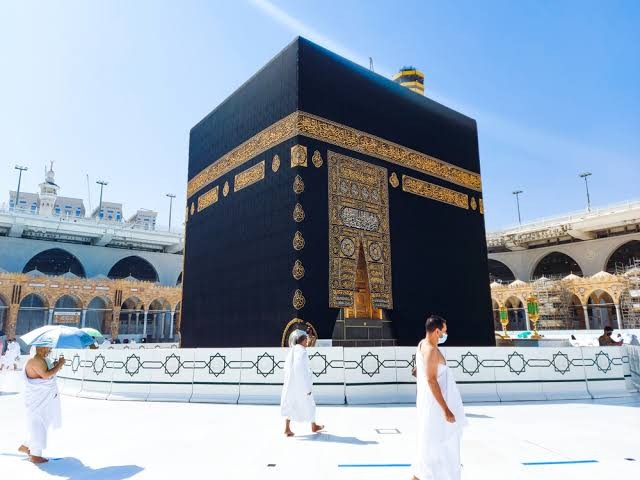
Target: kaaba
{"x": 323, "y": 195}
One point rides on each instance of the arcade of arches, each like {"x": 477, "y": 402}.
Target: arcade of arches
{"x": 572, "y": 302}
{"x": 118, "y": 308}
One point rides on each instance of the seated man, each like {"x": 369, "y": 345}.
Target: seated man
{"x": 605, "y": 340}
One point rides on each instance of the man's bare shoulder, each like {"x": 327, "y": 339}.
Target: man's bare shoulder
{"x": 34, "y": 367}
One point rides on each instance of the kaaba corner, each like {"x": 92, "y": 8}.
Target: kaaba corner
{"x": 322, "y": 195}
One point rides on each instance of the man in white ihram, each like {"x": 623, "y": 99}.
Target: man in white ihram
{"x": 297, "y": 402}
{"x": 440, "y": 412}
{"x": 41, "y": 401}
{"x": 10, "y": 358}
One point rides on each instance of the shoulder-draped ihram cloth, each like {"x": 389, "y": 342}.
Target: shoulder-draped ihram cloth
{"x": 296, "y": 404}
{"x": 438, "y": 445}
{"x": 42, "y": 404}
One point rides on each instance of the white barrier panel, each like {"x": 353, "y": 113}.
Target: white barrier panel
{"x": 72, "y": 372}
{"x": 261, "y": 375}
{"x": 604, "y": 372}
{"x": 633, "y": 352}
{"x": 541, "y": 374}
{"x": 216, "y": 375}
{"x": 370, "y": 375}
{"x": 171, "y": 375}
{"x": 474, "y": 371}
{"x": 131, "y": 374}
{"x": 405, "y": 362}
{"x": 327, "y": 366}
{"x": 97, "y": 373}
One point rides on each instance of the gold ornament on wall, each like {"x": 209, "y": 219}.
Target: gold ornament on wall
{"x": 317, "y": 159}
{"x": 298, "y": 185}
{"x": 298, "y": 156}
{"x": 393, "y": 180}
{"x": 249, "y": 177}
{"x": 193, "y": 208}
{"x": 298, "y": 300}
{"x": 298, "y": 213}
{"x": 225, "y": 189}
{"x": 434, "y": 192}
{"x": 298, "y": 241}
{"x": 474, "y": 205}
{"x": 208, "y": 198}
{"x": 481, "y": 207}
{"x": 298, "y": 270}
{"x": 275, "y": 163}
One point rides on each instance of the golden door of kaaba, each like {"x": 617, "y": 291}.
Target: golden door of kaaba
{"x": 359, "y": 243}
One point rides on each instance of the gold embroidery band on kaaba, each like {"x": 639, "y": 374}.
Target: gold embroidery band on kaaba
{"x": 249, "y": 176}
{"x": 207, "y": 199}
{"x": 301, "y": 123}
{"x": 434, "y": 192}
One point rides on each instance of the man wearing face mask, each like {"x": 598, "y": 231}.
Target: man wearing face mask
{"x": 440, "y": 412}
{"x": 41, "y": 401}
{"x": 606, "y": 340}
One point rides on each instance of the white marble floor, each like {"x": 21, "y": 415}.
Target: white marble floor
{"x": 118, "y": 440}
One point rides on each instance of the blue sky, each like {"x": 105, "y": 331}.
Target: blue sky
{"x": 111, "y": 89}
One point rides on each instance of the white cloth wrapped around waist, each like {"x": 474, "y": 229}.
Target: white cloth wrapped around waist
{"x": 42, "y": 401}
{"x": 296, "y": 404}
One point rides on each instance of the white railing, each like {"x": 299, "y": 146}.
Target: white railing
{"x": 579, "y": 215}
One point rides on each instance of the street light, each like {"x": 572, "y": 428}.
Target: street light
{"x": 586, "y": 175}
{"x": 517, "y": 194}
{"x": 102, "y": 184}
{"x": 21, "y": 169}
{"x": 171, "y": 197}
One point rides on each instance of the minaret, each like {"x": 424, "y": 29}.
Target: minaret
{"x": 411, "y": 78}
{"x": 48, "y": 193}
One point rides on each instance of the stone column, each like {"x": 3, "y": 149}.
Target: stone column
{"x": 144, "y": 325}
{"x": 137, "y": 321}
{"x": 115, "y": 323}
{"x": 585, "y": 309}
{"x": 526, "y": 318}
{"x": 618, "y": 316}
{"x": 173, "y": 314}
{"x": 83, "y": 321}
{"x": 12, "y": 320}
{"x": 50, "y": 321}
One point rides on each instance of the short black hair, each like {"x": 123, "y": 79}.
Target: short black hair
{"x": 608, "y": 328}
{"x": 434, "y": 322}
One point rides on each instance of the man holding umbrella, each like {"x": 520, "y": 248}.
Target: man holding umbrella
{"x": 41, "y": 400}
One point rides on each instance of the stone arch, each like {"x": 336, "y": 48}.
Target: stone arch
{"x": 602, "y": 311}
{"x": 576, "y": 312}
{"x": 67, "y": 310}
{"x": 136, "y": 267}
{"x": 55, "y": 261}
{"x": 515, "y": 309}
{"x": 555, "y": 265}
{"x": 179, "y": 280}
{"x": 500, "y": 272}
{"x": 99, "y": 314}
{"x": 33, "y": 312}
{"x": 131, "y": 320}
{"x": 624, "y": 255}
{"x": 159, "y": 326}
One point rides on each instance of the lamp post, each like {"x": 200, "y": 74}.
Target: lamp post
{"x": 586, "y": 175}
{"x": 102, "y": 184}
{"x": 517, "y": 194}
{"x": 171, "y": 197}
{"x": 20, "y": 169}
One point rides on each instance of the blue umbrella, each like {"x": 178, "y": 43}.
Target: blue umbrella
{"x": 57, "y": 336}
